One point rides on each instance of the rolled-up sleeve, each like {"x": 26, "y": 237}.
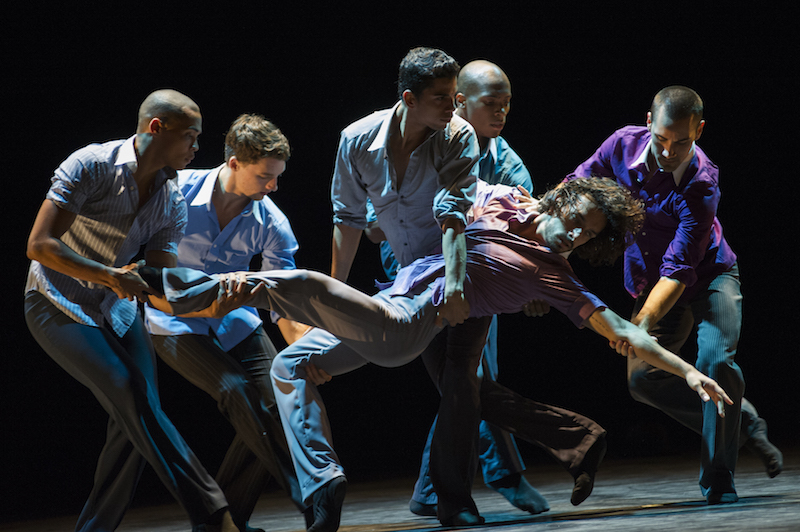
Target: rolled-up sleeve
{"x": 458, "y": 174}
{"x": 348, "y": 192}
{"x": 696, "y": 213}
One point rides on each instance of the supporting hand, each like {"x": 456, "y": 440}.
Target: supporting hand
{"x": 317, "y": 376}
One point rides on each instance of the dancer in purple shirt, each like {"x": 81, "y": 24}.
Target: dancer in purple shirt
{"x": 514, "y": 249}
{"x": 684, "y": 274}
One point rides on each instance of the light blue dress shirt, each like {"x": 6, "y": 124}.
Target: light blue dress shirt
{"x": 261, "y": 228}
{"x": 439, "y": 182}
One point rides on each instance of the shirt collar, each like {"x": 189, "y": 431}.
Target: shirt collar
{"x": 206, "y": 192}
{"x": 127, "y": 155}
{"x": 203, "y": 197}
{"x": 677, "y": 174}
{"x": 491, "y": 148}
{"x": 382, "y": 139}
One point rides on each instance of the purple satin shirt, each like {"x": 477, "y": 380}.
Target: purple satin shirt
{"x": 681, "y": 237}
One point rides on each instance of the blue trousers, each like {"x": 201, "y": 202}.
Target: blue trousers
{"x": 716, "y": 313}
{"x": 121, "y": 373}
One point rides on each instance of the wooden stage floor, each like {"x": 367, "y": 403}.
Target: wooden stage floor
{"x": 654, "y": 494}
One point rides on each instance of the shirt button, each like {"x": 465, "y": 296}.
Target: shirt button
{"x": 644, "y": 233}
{"x": 646, "y": 253}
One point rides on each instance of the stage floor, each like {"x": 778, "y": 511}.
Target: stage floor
{"x": 655, "y": 494}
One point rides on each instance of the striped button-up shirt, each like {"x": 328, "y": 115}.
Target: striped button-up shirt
{"x": 96, "y": 184}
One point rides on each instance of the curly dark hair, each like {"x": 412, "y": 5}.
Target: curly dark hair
{"x": 624, "y": 215}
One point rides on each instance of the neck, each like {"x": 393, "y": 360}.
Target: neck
{"x": 225, "y": 196}
{"x": 146, "y": 164}
{"x": 411, "y": 133}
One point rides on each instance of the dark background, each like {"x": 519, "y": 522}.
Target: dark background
{"x": 72, "y": 77}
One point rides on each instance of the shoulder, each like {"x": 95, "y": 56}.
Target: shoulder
{"x": 704, "y": 182}
{"x": 458, "y": 128}
{"x": 96, "y": 154}
{"x": 368, "y": 125}
{"x": 191, "y": 179}
{"x": 631, "y": 134}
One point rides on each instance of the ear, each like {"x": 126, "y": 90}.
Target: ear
{"x": 155, "y": 126}
{"x": 233, "y": 163}
{"x": 461, "y": 100}
{"x": 699, "y": 130}
{"x": 409, "y": 99}
{"x": 649, "y": 121}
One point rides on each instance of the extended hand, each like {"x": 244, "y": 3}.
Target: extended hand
{"x": 708, "y": 390}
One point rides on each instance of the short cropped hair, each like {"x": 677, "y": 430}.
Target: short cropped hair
{"x": 624, "y": 215}
{"x": 678, "y": 102}
{"x": 253, "y": 137}
{"x": 421, "y": 66}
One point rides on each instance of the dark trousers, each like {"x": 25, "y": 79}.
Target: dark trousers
{"x": 716, "y": 314}
{"x": 452, "y": 360}
{"x": 238, "y": 380}
{"x": 121, "y": 373}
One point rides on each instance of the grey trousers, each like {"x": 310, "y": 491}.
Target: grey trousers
{"x": 121, "y": 373}
{"x": 716, "y": 313}
{"x": 238, "y": 380}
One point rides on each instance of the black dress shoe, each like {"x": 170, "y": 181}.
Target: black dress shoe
{"x": 584, "y": 478}
{"x": 328, "y": 502}
{"x": 463, "y": 518}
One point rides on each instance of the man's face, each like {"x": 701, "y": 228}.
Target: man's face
{"x": 486, "y": 107}
{"x": 434, "y": 106}
{"x": 563, "y": 232}
{"x": 258, "y": 179}
{"x": 672, "y": 139}
{"x": 178, "y": 139}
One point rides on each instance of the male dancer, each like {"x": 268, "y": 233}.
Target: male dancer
{"x": 105, "y": 202}
{"x": 683, "y": 273}
{"x": 416, "y": 163}
{"x": 484, "y": 100}
{"x": 228, "y": 355}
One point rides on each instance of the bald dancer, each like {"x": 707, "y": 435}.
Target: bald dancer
{"x": 105, "y": 202}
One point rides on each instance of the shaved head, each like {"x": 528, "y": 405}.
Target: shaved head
{"x": 677, "y": 103}
{"x": 476, "y": 75}
{"x": 167, "y": 105}
{"x": 483, "y": 98}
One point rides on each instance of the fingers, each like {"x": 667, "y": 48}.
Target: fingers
{"x": 317, "y": 376}
{"x": 524, "y": 191}
{"x": 536, "y": 308}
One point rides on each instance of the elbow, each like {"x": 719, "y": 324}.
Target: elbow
{"x": 35, "y": 249}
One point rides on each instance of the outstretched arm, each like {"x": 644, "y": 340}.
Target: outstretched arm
{"x": 610, "y": 325}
